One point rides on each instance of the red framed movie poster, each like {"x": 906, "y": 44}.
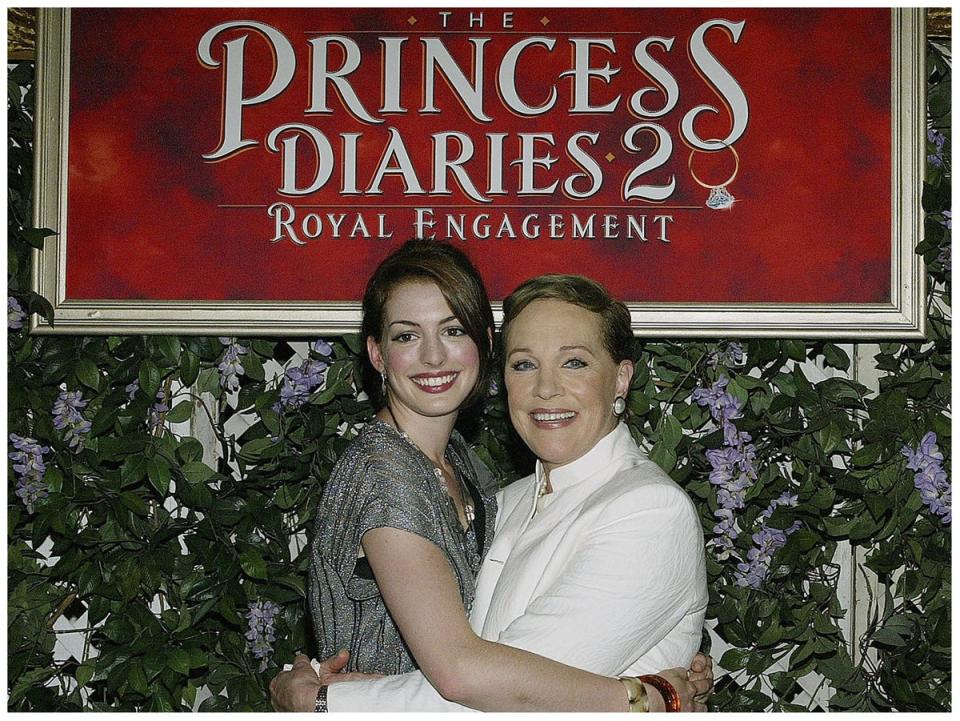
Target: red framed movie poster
{"x": 726, "y": 172}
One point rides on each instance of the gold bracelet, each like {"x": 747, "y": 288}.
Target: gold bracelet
{"x": 636, "y": 694}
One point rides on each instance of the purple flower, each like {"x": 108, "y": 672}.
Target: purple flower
{"x": 322, "y": 347}
{"x": 155, "y": 414}
{"x": 944, "y": 258}
{"x": 132, "y": 388}
{"x": 493, "y": 389}
{"x": 230, "y": 366}
{"x": 29, "y": 466}
{"x": 930, "y": 477}
{"x": 731, "y": 355}
{"x": 723, "y": 406}
{"x": 937, "y": 139}
{"x": 299, "y": 382}
{"x": 767, "y": 540}
{"x": 947, "y": 221}
{"x": 726, "y": 531}
{"x": 261, "y": 632}
{"x": 15, "y": 314}
{"x": 68, "y": 418}
{"x": 733, "y": 472}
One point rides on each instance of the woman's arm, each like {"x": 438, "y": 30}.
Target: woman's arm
{"x": 421, "y": 593}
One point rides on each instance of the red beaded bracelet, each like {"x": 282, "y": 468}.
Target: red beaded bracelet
{"x": 671, "y": 699}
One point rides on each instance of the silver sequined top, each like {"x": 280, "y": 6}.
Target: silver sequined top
{"x": 383, "y": 480}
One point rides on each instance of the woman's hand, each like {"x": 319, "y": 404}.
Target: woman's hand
{"x": 296, "y": 689}
{"x": 701, "y": 669}
{"x": 689, "y": 690}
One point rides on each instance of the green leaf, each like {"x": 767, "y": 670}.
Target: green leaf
{"x": 196, "y": 471}
{"x": 179, "y": 660}
{"x": 149, "y": 379}
{"x": 180, "y": 412}
{"x": 189, "y": 368}
{"x": 118, "y": 629}
{"x": 189, "y": 694}
{"x": 663, "y": 457}
{"x": 253, "y": 449}
{"x": 770, "y": 635}
{"x": 253, "y": 564}
{"x": 285, "y": 498}
{"x": 671, "y": 432}
{"x": 136, "y": 677}
{"x": 208, "y": 381}
{"x": 169, "y": 348}
{"x": 134, "y": 468}
{"x": 132, "y": 501}
{"x": 35, "y": 236}
{"x": 87, "y": 373}
{"x": 29, "y": 680}
{"x": 734, "y": 659}
{"x": 54, "y": 479}
{"x": 252, "y": 366}
{"x": 795, "y": 350}
{"x": 189, "y": 449}
{"x": 84, "y": 673}
{"x": 835, "y": 357}
{"x": 158, "y": 473}
{"x": 130, "y": 582}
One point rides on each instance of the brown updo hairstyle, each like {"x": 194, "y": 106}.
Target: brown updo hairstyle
{"x": 450, "y": 269}
{"x": 613, "y": 316}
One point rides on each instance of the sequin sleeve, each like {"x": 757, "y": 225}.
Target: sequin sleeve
{"x": 380, "y": 481}
{"x": 379, "y": 484}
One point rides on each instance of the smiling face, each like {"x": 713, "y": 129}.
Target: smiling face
{"x": 561, "y": 381}
{"x": 430, "y": 361}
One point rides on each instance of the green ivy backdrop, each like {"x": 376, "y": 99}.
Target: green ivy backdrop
{"x": 181, "y": 559}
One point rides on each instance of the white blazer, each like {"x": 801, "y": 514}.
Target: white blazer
{"x": 609, "y": 576}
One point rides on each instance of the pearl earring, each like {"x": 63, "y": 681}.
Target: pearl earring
{"x": 619, "y": 406}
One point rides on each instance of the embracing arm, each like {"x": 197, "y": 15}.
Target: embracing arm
{"x": 421, "y": 593}
{"x": 624, "y": 586}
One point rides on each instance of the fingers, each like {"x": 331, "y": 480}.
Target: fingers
{"x": 335, "y": 663}
{"x": 700, "y": 686}
{"x": 300, "y": 661}
{"x": 699, "y": 663}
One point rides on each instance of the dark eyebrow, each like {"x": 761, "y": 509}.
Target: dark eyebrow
{"x": 417, "y": 325}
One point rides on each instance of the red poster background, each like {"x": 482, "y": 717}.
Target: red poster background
{"x": 148, "y": 218}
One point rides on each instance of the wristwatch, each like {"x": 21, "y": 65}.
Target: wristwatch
{"x": 321, "y": 705}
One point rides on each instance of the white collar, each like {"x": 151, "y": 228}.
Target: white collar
{"x": 604, "y": 452}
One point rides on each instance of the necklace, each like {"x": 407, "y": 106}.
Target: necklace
{"x": 468, "y": 510}
{"x": 541, "y": 494}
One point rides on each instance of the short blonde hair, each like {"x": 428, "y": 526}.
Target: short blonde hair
{"x": 613, "y": 316}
